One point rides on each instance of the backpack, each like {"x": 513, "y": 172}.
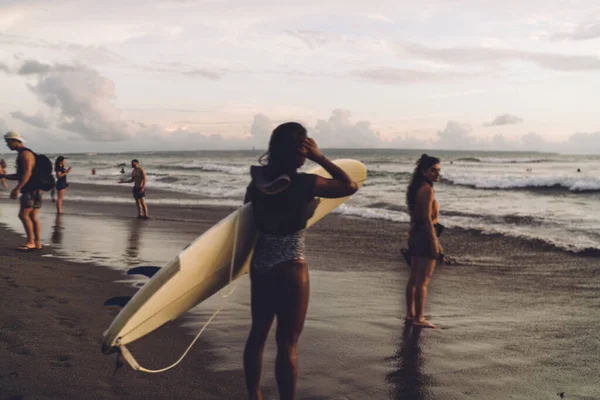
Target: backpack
{"x": 42, "y": 173}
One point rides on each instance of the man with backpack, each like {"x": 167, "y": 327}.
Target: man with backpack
{"x": 32, "y": 179}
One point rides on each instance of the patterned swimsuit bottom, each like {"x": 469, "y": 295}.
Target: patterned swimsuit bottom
{"x": 272, "y": 250}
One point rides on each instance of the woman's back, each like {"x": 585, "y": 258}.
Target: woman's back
{"x": 281, "y": 206}
{"x": 419, "y": 211}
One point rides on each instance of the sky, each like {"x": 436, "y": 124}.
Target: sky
{"x": 89, "y": 76}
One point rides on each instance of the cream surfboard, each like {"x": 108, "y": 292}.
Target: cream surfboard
{"x": 203, "y": 268}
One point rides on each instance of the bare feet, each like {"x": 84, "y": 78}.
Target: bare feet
{"x": 425, "y": 324}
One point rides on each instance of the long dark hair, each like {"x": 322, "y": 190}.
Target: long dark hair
{"x": 282, "y": 156}
{"x": 418, "y": 177}
{"x": 57, "y": 162}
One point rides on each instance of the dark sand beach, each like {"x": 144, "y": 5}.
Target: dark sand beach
{"x": 519, "y": 320}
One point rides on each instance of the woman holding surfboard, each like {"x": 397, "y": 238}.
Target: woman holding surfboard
{"x": 282, "y": 201}
{"x": 423, "y": 244}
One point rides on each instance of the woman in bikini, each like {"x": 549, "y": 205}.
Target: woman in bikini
{"x": 61, "y": 182}
{"x": 282, "y": 202}
{"x": 423, "y": 244}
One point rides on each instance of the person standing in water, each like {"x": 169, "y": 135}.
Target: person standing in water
{"x": 282, "y": 202}
{"x": 61, "y": 182}
{"x": 138, "y": 177}
{"x": 31, "y": 196}
{"x": 423, "y": 244}
{"x": 3, "y": 172}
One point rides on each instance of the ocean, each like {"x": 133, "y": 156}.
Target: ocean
{"x": 529, "y": 195}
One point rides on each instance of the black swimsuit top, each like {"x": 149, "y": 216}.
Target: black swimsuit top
{"x": 62, "y": 179}
{"x": 285, "y": 210}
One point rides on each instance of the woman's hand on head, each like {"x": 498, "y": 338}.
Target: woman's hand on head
{"x": 310, "y": 150}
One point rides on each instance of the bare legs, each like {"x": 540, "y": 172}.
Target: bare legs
{"x": 31, "y": 223}
{"x": 142, "y": 208}
{"x": 421, "y": 270}
{"x": 60, "y": 195}
{"x": 281, "y": 292}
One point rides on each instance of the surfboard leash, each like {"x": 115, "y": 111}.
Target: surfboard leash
{"x": 126, "y": 354}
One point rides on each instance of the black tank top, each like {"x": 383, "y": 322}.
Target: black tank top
{"x": 21, "y": 170}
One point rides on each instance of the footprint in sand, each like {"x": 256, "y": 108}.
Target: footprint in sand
{"x": 62, "y": 362}
{"x": 66, "y": 322}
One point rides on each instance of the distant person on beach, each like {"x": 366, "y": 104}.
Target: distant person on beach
{"x": 138, "y": 177}
{"x": 3, "y": 172}
{"x": 578, "y": 169}
{"x": 282, "y": 202}
{"x": 93, "y": 171}
{"x": 31, "y": 197}
{"x": 122, "y": 170}
{"x": 61, "y": 182}
{"x": 423, "y": 244}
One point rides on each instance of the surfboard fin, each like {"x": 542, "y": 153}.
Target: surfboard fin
{"x": 148, "y": 270}
{"x": 120, "y": 301}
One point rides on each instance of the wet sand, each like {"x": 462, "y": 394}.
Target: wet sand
{"x": 518, "y": 320}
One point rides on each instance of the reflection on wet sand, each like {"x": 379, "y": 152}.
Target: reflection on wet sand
{"x": 132, "y": 251}
{"x": 407, "y": 382}
{"x": 57, "y": 230}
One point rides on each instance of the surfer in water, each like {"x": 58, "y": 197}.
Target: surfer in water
{"x": 138, "y": 177}
{"x": 282, "y": 202}
{"x": 423, "y": 244}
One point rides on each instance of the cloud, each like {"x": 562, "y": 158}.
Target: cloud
{"x": 4, "y": 68}
{"x": 34, "y": 67}
{"x": 456, "y": 136}
{"x": 83, "y": 98}
{"x": 183, "y": 69}
{"x": 89, "y": 54}
{"x": 504, "y": 119}
{"x": 481, "y": 55}
{"x": 378, "y": 17}
{"x": 36, "y": 120}
{"x": 585, "y": 31}
{"x": 313, "y": 38}
{"x": 533, "y": 141}
{"x": 582, "y": 142}
{"x": 390, "y": 75}
{"x": 261, "y": 129}
{"x": 339, "y": 131}
{"x": 3, "y": 126}
{"x": 204, "y": 73}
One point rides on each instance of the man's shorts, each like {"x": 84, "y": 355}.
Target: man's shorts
{"x": 31, "y": 199}
{"x": 138, "y": 193}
